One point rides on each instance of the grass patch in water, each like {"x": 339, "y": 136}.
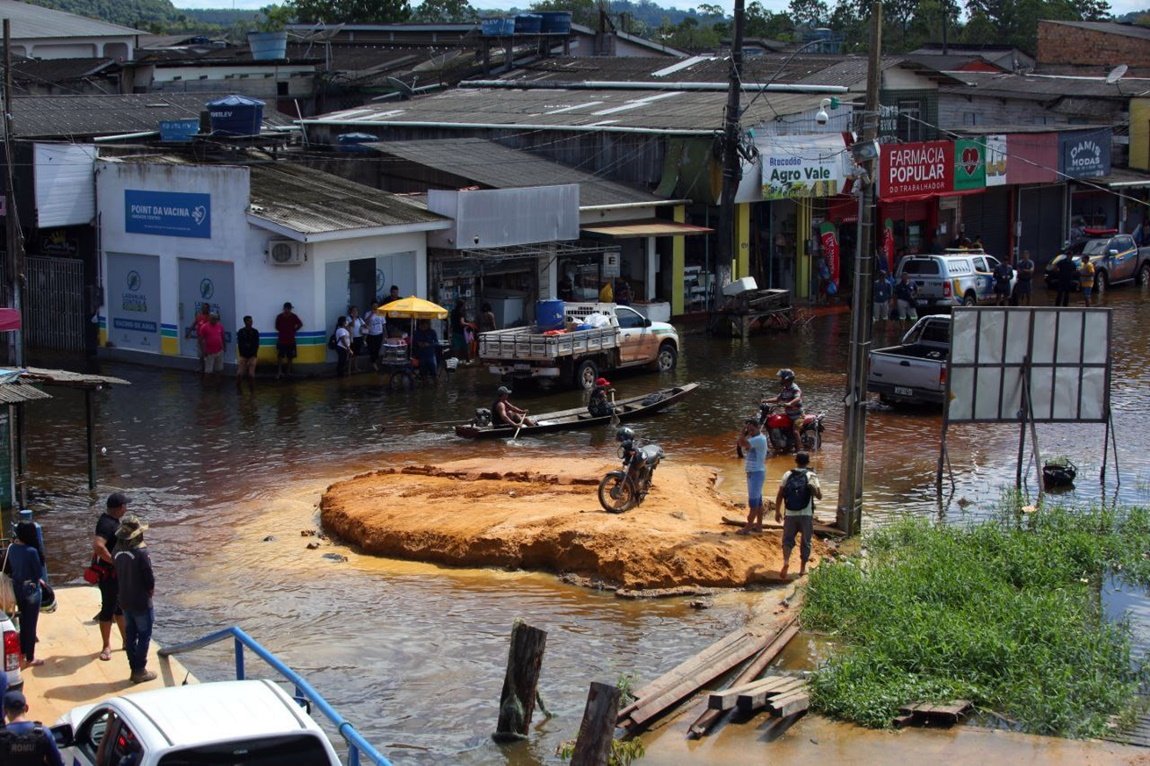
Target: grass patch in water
{"x": 1006, "y": 614}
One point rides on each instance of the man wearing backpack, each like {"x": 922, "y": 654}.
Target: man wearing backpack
{"x": 24, "y": 742}
{"x": 797, "y": 493}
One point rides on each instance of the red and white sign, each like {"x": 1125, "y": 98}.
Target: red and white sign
{"x": 915, "y": 170}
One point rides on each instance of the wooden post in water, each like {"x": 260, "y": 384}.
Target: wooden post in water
{"x": 517, "y": 701}
{"x": 597, "y": 731}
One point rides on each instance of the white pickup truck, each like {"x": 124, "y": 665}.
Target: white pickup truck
{"x": 914, "y": 372}
{"x": 618, "y": 337}
{"x": 229, "y": 722}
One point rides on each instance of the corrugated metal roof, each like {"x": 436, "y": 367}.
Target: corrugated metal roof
{"x": 97, "y": 115}
{"x": 16, "y": 392}
{"x": 1008, "y": 85}
{"x": 51, "y": 377}
{"x": 1106, "y": 27}
{"x": 33, "y": 21}
{"x": 313, "y": 202}
{"x": 489, "y": 164}
{"x": 34, "y": 72}
{"x": 678, "y": 112}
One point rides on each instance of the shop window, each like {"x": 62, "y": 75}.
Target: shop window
{"x": 910, "y": 127}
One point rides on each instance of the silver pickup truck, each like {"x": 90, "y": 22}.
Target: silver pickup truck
{"x": 915, "y": 371}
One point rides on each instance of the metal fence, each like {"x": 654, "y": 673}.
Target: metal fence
{"x": 55, "y": 315}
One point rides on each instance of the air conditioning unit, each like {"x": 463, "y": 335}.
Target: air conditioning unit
{"x": 285, "y": 252}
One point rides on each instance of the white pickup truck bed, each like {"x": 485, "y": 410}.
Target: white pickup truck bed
{"x": 915, "y": 371}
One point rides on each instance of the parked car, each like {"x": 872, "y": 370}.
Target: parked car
{"x": 253, "y": 722}
{"x": 10, "y": 651}
{"x": 915, "y": 371}
{"x": 956, "y": 277}
{"x": 1115, "y": 256}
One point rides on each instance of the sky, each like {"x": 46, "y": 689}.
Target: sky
{"x": 1117, "y": 7}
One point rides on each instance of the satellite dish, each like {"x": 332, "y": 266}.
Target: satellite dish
{"x": 1116, "y": 74}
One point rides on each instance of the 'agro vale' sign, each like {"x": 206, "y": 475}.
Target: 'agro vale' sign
{"x": 803, "y": 167}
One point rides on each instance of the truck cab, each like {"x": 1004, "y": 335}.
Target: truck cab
{"x": 225, "y": 722}
{"x": 1115, "y": 256}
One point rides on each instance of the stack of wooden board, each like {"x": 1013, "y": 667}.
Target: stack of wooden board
{"x": 932, "y": 714}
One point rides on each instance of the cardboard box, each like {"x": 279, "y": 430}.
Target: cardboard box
{"x": 740, "y": 286}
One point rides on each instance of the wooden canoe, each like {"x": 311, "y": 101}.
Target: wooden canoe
{"x": 564, "y": 420}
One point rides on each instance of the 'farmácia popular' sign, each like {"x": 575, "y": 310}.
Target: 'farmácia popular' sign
{"x": 914, "y": 170}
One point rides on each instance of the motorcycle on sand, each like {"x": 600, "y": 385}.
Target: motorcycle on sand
{"x": 623, "y": 490}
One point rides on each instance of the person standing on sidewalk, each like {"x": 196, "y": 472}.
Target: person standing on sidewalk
{"x": 22, "y": 563}
{"x": 798, "y": 490}
{"x": 102, "y": 546}
{"x": 375, "y": 327}
{"x": 1086, "y": 279}
{"x": 754, "y": 445}
{"x": 137, "y": 584}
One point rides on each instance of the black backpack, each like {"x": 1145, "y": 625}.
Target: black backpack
{"x": 31, "y": 747}
{"x": 332, "y": 343}
{"x": 797, "y": 490}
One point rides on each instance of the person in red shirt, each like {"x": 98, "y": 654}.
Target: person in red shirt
{"x": 202, "y": 318}
{"x": 212, "y": 343}
{"x": 287, "y": 325}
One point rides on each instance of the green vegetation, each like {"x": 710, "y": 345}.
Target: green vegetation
{"x": 1006, "y": 614}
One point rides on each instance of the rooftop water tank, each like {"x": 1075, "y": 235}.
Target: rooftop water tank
{"x": 235, "y": 116}
{"x": 556, "y": 22}
{"x": 528, "y": 24}
{"x": 498, "y": 27}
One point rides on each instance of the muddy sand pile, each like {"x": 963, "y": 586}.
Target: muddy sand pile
{"x": 540, "y": 513}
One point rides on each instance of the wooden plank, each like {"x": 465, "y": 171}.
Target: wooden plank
{"x": 684, "y": 670}
{"x": 783, "y": 635}
{"x": 903, "y": 720}
{"x": 597, "y": 730}
{"x": 725, "y": 699}
{"x": 748, "y": 703}
{"x": 794, "y": 704}
{"x": 655, "y": 707}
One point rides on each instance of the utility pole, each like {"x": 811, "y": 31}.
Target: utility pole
{"x": 732, "y": 170}
{"x": 848, "y": 517}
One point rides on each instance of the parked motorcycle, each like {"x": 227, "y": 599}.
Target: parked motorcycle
{"x": 781, "y": 434}
{"x": 623, "y": 490}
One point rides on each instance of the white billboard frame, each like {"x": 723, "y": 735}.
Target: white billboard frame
{"x": 1028, "y": 365}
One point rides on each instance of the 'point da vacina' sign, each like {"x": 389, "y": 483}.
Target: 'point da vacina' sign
{"x": 912, "y": 170}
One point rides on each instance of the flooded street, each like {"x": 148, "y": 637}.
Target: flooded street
{"x": 415, "y": 654}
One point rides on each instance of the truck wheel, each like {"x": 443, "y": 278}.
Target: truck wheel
{"x": 585, "y": 374}
{"x": 1144, "y": 275}
{"x": 1101, "y": 282}
{"x": 668, "y": 357}
{"x": 970, "y": 299}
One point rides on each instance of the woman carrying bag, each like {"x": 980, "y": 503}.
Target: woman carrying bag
{"x": 22, "y": 563}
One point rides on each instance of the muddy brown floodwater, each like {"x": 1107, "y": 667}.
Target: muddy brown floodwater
{"x": 413, "y": 652}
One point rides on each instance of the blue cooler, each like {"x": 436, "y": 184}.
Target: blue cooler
{"x": 550, "y": 315}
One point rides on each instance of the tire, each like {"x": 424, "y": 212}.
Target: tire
{"x": 1143, "y": 277}
{"x": 812, "y": 440}
{"x": 617, "y": 493}
{"x": 970, "y": 299}
{"x": 1101, "y": 282}
{"x": 585, "y": 374}
{"x": 668, "y": 357}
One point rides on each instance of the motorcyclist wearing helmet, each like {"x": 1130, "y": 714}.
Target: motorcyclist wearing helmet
{"x": 791, "y": 398}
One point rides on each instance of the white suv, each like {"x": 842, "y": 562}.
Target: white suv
{"x": 227, "y": 722}
{"x": 959, "y": 277}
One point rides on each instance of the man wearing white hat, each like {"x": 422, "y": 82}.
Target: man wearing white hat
{"x": 137, "y": 583}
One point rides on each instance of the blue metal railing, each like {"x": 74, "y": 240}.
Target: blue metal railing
{"x": 356, "y": 744}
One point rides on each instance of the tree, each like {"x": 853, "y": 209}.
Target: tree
{"x": 766, "y": 24}
{"x": 585, "y": 12}
{"x": 351, "y": 11}
{"x": 1015, "y": 22}
{"x": 445, "y": 12}
{"x": 809, "y": 13}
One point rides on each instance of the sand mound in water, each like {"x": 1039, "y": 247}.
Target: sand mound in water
{"x": 543, "y": 514}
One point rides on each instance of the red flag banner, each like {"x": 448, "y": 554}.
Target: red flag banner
{"x": 830, "y": 245}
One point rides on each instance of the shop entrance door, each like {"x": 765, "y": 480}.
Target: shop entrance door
{"x": 210, "y": 282}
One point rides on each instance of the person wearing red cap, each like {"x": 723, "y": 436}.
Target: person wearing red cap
{"x": 600, "y": 403}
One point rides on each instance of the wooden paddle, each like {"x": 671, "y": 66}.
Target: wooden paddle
{"x": 614, "y": 411}
{"x": 522, "y": 420}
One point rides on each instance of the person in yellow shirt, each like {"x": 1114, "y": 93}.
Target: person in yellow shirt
{"x": 1086, "y": 278}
